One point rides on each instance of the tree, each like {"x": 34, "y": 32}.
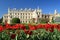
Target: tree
{"x": 53, "y": 20}
{"x": 44, "y": 20}
{"x": 15, "y": 20}
{"x": 1, "y": 19}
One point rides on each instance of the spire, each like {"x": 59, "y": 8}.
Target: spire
{"x": 21, "y": 9}
{"x": 8, "y": 10}
{"x": 40, "y": 10}
{"x": 29, "y": 8}
{"x": 25, "y": 9}
{"x": 14, "y": 8}
{"x": 55, "y": 12}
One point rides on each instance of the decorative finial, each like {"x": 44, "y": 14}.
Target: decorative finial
{"x": 14, "y": 8}
{"x": 55, "y": 12}
{"x": 25, "y": 8}
{"x": 8, "y": 8}
{"x": 21, "y": 9}
{"x": 29, "y": 8}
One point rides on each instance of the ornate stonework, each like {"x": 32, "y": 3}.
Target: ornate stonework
{"x": 26, "y": 15}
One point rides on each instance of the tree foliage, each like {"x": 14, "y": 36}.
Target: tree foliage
{"x": 15, "y": 20}
{"x": 44, "y": 20}
{"x": 1, "y": 19}
{"x": 53, "y": 20}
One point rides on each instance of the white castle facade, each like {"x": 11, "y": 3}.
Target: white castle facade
{"x": 26, "y": 15}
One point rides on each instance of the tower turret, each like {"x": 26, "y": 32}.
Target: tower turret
{"x": 8, "y": 10}
{"x": 55, "y": 12}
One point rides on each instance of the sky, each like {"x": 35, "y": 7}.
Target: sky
{"x": 47, "y": 6}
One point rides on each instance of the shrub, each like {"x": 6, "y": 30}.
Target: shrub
{"x": 15, "y": 20}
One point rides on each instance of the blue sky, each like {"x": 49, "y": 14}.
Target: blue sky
{"x": 46, "y": 5}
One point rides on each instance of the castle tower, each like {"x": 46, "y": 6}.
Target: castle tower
{"x": 39, "y": 14}
{"x": 55, "y": 13}
{"x": 34, "y": 16}
{"x": 9, "y": 15}
{"x": 8, "y": 10}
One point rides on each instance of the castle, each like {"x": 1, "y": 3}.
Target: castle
{"x": 26, "y": 15}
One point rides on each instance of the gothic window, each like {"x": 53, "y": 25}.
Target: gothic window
{"x": 10, "y": 13}
{"x": 26, "y": 21}
{"x": 15, "y": 13}
{"x": 21, "y": 13}
{"x": 18, "y": 13}
{"x": 26, "y": 13}
{"x": 6, "y": 21}
{"x": 10, "y": 16}
{"x": 37, "y": 13}
{"x": 29, "y": 21}
{"x": 26, "y": 17}
{"x": 45, "y": 16}
{"x": 23, "y": 17}
{"x": 23, "y": 21}
{"x": 29, "y": 17}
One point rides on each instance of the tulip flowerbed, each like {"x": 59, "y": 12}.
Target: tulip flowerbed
{"x": 30, "y": 32}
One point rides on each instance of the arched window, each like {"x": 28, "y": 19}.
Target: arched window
{"x": 6, "y": 21}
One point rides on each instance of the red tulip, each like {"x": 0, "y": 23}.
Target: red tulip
{"x": 1, "y": 29}
{"x": 32, "y": 27}
{"x": 39, "y": 26}
{"x": 22, "y": 26}
{"x": 17, "y": 25}
{"x": 28, "y": 31}
{"x": 43, "y": 26}
{"x": 58, "y": 27}
{"x": 7, "y": 26}
{"x": 54, "y": 25}
{"x": 51, "y": 30}
{"x": 13, "y": 36}
{"x": 47, "y": 26}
